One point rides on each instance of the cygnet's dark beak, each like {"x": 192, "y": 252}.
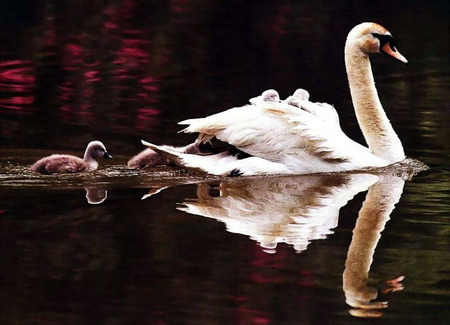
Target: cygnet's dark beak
{"x": 107, "y": 155}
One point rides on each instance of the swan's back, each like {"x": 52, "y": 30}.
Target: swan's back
{"x": 281, "y": 133}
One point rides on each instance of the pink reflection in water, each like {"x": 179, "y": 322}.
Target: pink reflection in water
{"x": 111, "y": 75}
{"x": 182, "y": 10}
{"x": 263, "y": 262}
{"x": 17, "y": 82}
{"x": 18, "y": 100}
{"x": 278, "y": 28}
{"x": 245, "y": 314}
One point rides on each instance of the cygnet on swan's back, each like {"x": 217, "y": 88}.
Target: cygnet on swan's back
{"x": 298, "y": 96}
{"x": 71, "y": 164}
{"x": 270, "y": 95}
{"x": 149, "y": 158}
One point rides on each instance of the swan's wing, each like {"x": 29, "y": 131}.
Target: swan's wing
{"x": 279, "y": 133}
{"x": 323, "y": 111}
{"x": 220, "y": 164}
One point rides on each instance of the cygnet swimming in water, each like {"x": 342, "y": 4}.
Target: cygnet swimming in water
{"x": 71, "y": 164}
{"x": 149, "y": 158}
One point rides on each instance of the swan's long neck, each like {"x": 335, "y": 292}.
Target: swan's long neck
{"x": 377, "y": 130}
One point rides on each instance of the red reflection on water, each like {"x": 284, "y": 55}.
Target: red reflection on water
{"x": 24, "y": 100}
{"x": 278, "y": 28}
{"x": 306, "y": 279}
{"x": 263, "y": 263}
{"x": 182, "y": 10}
{"x": 16, "y": 85}
{"x": 279, "y": 23}
{"x": 249, "y": 315}
{"x": 101, "y": 70}
{"x": 110, "y": 76}
{"x": 49, "y": 40}
{"x": 91, "y": 76}
{"x": 157, "y": 317}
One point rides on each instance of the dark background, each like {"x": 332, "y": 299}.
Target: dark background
{"x": 119, "y": 71}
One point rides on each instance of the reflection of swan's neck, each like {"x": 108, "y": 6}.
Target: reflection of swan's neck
{"x": 375, "y": 212}
{"x": 377, "y": 130}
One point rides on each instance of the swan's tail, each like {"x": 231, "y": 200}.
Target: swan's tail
{"x": 221, "y": 164}
{"x": 218, "y": 164}
{"x": 172, "y": 155}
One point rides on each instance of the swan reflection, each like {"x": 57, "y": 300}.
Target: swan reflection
{"x": 271, "y": 210}
{"x": 298, "y": 209}
{"x": 373, "y": 215}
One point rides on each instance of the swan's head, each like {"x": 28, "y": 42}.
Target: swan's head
{"x": 374, "y": 38}
{"x": 97, "y": 149}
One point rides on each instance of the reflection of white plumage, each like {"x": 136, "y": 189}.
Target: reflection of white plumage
{"x": 294, "y": 210}
{"x": 297, "y": 136}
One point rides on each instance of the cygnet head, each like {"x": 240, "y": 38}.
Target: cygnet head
{"x": 373, "y": 38}
{"x": 96, "y": 149}
{"x": 270, "y": 95}
{"x": 301, "y": 94}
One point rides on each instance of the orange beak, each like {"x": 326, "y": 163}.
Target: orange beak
{"x": 393, "y": 52}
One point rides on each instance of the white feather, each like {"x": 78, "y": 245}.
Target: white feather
{"x": 297, "y": 136}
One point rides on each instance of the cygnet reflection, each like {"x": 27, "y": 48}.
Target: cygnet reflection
{"x": 96, "y": 195}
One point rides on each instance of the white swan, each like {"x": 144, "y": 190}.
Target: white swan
{"x": 297, "y": 136}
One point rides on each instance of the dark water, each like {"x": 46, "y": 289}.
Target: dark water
{"x": 165, "y": 246}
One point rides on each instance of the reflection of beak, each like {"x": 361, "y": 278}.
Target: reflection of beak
{"x": 107, "y": 155}
{"x": 392, "y": 51}
{"x": 153, "y": 191}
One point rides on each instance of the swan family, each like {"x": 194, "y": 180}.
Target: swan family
{"x": 291, "y": 136}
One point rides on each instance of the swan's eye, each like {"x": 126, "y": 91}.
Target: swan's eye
{"x": 386, "y": 39}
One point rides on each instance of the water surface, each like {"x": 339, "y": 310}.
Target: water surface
{"x": 166, "y": 246}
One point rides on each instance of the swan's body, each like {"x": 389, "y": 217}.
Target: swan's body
{"x": 55, "y": 164}
{"x": 296, "y": 136}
